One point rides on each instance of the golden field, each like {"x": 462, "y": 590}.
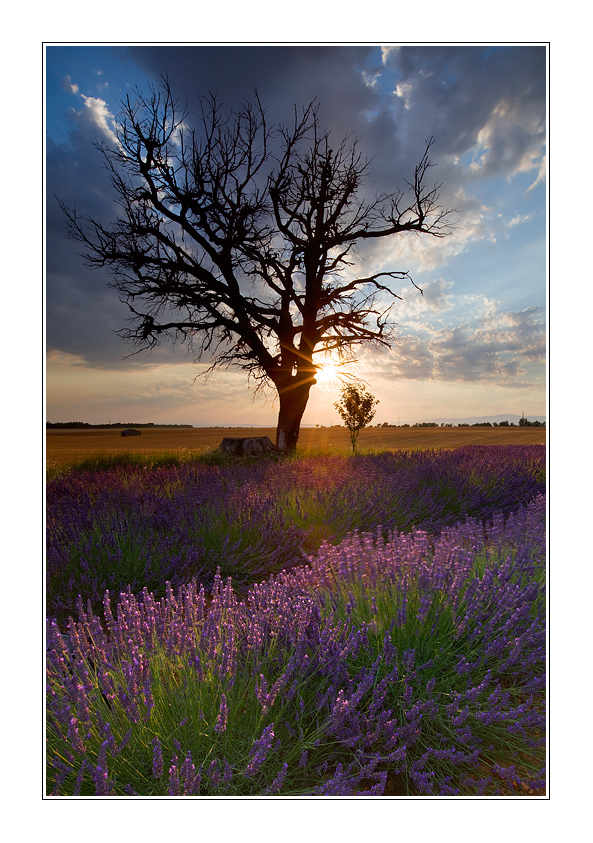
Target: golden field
{"x": 66, "y": 446}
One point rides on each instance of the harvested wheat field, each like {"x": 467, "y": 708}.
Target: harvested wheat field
{"x": 65, "y": 446}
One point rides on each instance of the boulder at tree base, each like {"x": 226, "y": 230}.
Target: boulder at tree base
{"x": 250, "y": 446}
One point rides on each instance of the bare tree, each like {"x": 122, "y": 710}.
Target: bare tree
{"x": 235, "y": 240}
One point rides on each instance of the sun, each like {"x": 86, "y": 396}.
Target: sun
{"x": 330, "y": 371}
{"x": 326, "y": 373}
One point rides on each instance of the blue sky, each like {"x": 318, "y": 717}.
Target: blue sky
{"x": 473, "y": 345}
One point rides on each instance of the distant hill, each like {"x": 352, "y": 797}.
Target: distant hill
{"x": 85, "y": 425}
{"x": 510, "y": 417}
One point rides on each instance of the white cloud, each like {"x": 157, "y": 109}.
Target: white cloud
{"x": 370, "y": 79}
{"x": 64, "y": 360}
{"x": 99, "y": 114}
{"x": 519, "y": 219}
{"x": 436, "y": 297}
{"x": 404, "y": 92}
{"x": 387, "y": 51}
{"x": 511, "y": 140}
{"x": 96, "y": 111}
{"x": 472, "y": 223}
{"x": 467, "y": 339}
{"x": 541, "y": 176}
{"x": 68, "y": 85}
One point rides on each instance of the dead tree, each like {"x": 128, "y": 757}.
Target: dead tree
{"x": 233, "y": 238}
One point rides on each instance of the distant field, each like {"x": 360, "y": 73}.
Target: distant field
{"x": 65, "y": 446}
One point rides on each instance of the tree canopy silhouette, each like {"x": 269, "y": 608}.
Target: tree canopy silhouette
{"x": 237, "y": 238}
{"x": 357, "y": 409}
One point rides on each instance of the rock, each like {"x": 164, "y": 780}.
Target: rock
{"x": 248, "y": 446}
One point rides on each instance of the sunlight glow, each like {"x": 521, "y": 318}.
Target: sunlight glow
{"x": 326, "y": 373}
{"x": 331, "y": 372}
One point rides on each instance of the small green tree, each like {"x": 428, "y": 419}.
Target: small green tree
{"x": 357, "y": 408}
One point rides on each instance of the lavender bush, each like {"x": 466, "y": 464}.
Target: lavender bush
{"x": 141, "y": 527}
{"x": 395, "y": 659}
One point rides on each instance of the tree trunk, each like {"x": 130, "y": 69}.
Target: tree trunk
{"x": 293, "y": 401}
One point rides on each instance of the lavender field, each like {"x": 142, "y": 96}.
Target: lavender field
{"x": 316, "y": 626}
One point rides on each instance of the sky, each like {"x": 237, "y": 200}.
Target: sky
{"x": 473, "y": 345}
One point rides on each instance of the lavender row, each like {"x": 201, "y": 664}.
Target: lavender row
{"x": 395, "y": 662}
{"x": 108, "y": 530}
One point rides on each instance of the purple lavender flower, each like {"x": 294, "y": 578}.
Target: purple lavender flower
{"x": 221, "y": 720}
{"x": 174, "y": 788}
{"x": 277, "y": 783}
{"x": 124, "y": 742}
{"x": 213, "y": 772}
{"x": 378, "y": 789}
{"x": 157, "y": 759}
{"x": 227, "y": 774}
{"x": 416, "y": 698}
{"x": 79, "y": 777}
{"x": 61, "y": 774}
{"x": 74, "y": 736}
{"x": 259, "y": 751}
{"x": 101, "y": 776}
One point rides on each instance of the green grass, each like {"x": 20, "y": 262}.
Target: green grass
{"x": 142, "y": 459}
{"x": 183, "y": 456}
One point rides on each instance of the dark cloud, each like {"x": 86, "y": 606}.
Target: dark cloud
{"x": 283, "y": 76}
{"x": 292, "y": 77}
{"x": 81, "y": 312}
{"x": 454, "y": 93}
